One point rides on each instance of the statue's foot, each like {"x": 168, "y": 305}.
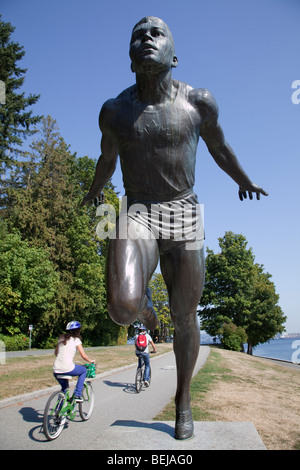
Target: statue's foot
{"x": 184, "y": 426}
{"x": 148, "y": 317}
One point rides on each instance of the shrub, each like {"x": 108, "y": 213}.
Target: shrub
{"x": 49, "y": 343}
{"x": 233, "y": 337}
{"x": 15, "y": 343}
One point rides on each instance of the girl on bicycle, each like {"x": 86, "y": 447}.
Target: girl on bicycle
{"x": 64, "y": 362}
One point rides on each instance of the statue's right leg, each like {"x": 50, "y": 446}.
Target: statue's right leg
{"x": 183, "y": 272}
{"x": 130, "y": 265}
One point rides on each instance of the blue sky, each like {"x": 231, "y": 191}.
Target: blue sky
{"x": 245, "y": 52}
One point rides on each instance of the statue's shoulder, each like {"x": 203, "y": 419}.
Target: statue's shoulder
{"x": 204, "y": 100}
{"x": 122, "y": 99}
{"x": 113, "y": 105}
{"x": 201, "y": 98}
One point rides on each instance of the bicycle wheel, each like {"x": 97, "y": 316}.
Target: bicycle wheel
{"x": 149, "y": 380}
{"x": 53, "y": 421}
{"x": 86, "y": 407}
{"x": 139, "y": 379}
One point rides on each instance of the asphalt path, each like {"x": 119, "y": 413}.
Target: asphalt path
{"x": 115, "y": 400}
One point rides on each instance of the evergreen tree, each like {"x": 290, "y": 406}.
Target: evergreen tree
{"x": 16, "y": 119}
{"x": 39, "y": 197}
{"x": 238, "y": 291}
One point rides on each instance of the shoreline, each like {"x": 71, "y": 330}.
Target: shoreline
{"x": 293, "y": 365}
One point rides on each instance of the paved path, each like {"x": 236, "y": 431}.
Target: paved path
{"x": 116, "y": 400}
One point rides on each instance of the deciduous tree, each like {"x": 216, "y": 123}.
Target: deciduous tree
{"x": 161, "y": 305}
{"x": 238, "y": 291}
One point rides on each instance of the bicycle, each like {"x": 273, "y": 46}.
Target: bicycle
{"x": 139, "y": 376}
{"x": 61, "y": 406}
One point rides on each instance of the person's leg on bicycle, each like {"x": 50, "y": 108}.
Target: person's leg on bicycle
{"x": 146, "y": 359}
{"x": 81, "y": 372}
{"x": 140, "y": 360}
{"x": 64, "y": 383}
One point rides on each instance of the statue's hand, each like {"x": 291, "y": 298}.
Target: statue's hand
{"x": 85, "y": 200}
{"x": 253, "y": 188}
{"x": 97, "y": 200}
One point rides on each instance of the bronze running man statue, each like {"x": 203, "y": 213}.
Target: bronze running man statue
{"x": 154, "y": 126}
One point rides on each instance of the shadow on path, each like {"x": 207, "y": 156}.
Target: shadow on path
{"x": 162, "y": 427}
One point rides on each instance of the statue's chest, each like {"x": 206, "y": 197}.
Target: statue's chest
{"x": 166, "y": 127}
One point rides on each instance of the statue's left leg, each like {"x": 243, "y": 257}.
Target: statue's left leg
{"x": 130, "y": 265}
{"x": 183, "y": 272}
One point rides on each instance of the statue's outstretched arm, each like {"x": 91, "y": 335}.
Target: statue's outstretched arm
{"x": 224, "y": 156}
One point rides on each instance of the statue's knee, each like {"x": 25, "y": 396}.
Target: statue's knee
{"x": 183, "y": 321}
{"x": 122, "y": 312}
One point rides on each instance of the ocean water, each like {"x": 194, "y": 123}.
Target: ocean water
{"x": 286, "y": 349}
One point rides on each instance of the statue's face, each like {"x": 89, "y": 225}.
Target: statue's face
{"x": 152, "y": 47}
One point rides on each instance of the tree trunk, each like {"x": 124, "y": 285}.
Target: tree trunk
{"x": 249, "y": 350}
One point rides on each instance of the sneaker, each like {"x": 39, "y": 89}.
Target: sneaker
{"x": 146, "y": 383}
{"x": 184, "y": 426}
{"x": 78, "y": 399}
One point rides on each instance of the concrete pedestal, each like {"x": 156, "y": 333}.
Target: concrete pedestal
{"x": 159, "y": 435}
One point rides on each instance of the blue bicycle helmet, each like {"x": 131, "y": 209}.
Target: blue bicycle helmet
{"x": 73, "y": 325}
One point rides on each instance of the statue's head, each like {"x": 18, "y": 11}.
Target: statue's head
{"x": 152, "y": 46}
